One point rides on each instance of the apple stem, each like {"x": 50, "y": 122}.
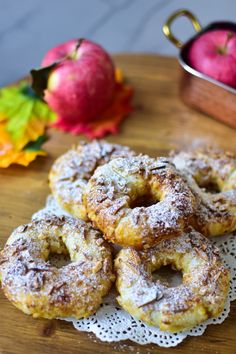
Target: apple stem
{"x": 223, "y": 49}
{"x": 79, "y": 42}
{"x": 74, "y": 53}
{"x": 229, "y": 36}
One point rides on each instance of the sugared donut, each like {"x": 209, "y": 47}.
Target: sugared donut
{"x": 139, "y": 201}
{"x": 70, "y": 173}
{"x": 37, "y": 288}
{"x": 211, "y": 173}
{"x": 201, "y": 295}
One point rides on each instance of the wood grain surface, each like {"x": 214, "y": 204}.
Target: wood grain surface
{"x": 159, "y": 123}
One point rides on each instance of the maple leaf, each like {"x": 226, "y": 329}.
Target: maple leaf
{"x": 26, "y": 114}
{"x": 10, "y": 155}
{"x": 19, "y": 157}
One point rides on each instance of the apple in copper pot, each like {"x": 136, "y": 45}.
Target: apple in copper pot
{"x": 214, "y": 54}
{"x": 81, "y": 83}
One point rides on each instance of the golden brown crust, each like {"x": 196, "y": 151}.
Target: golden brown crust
{"x": 201, "y": 295}
{"x": 36, "y": 287}
{"x": 211, "y": 174}
{"x": 116, "y": 189}
{"x": 71, "y": 171}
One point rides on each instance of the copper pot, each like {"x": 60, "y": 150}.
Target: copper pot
{"x": 199, "y": 90}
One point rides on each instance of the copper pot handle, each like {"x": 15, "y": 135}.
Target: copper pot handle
{"x": 167, "y": 25}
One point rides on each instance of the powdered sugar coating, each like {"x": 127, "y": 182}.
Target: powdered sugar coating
{"x": 211, "y": 168}
{"x": 113, "y": 324}
{"x": 36, "y": 287}
{"x": 70, "y": 172}
{"x": 201, "y": 295}
{"x": 115, "y": 189}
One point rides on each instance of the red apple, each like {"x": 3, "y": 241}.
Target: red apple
{"x": 214, "y": 54}
{"x": 81, "y": 85}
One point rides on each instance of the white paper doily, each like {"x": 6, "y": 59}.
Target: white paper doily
{"x": 113, "y": 324}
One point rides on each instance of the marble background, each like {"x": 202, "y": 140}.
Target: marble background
{"x": 28, "y": 28}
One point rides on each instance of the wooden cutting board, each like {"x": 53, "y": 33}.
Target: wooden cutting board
{"x": 160, "y": 122}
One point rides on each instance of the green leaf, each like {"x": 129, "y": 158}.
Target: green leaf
{"x": 27, "y": 115}
{"x": 40, "y": 78}
{"x": 19, "y": 120}
{"x": 36, "y": 145}
{"x": 41, "y": 110}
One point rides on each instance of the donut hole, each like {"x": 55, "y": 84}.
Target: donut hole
{"x": 168, "y": 276}
{"x": 209, "y": 186}
{"x": 59, "y": 260}
{"x": 145, "y": 201}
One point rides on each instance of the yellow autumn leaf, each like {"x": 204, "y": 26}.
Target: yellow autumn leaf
{"x": 34, "y": 129}
{"x": 19, "y": 157}
{"x": 4, "y": 136}
{"x": 2, "y": 116}
{"x": 119, "y": 76}
{"x": 9, "y": 155}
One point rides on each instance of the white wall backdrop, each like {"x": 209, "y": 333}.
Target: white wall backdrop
{"x": 29, "y": 27}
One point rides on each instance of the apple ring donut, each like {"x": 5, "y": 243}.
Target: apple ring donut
{"x": 37, "y": 288}
{"x": 211, "y": 173}
{"x": 139, "y": 201}
{"x": 201, "y": 295}
{"x": 70, "y": 173}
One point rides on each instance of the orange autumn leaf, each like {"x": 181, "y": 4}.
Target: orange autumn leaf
{"x": 110, "y": 119}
